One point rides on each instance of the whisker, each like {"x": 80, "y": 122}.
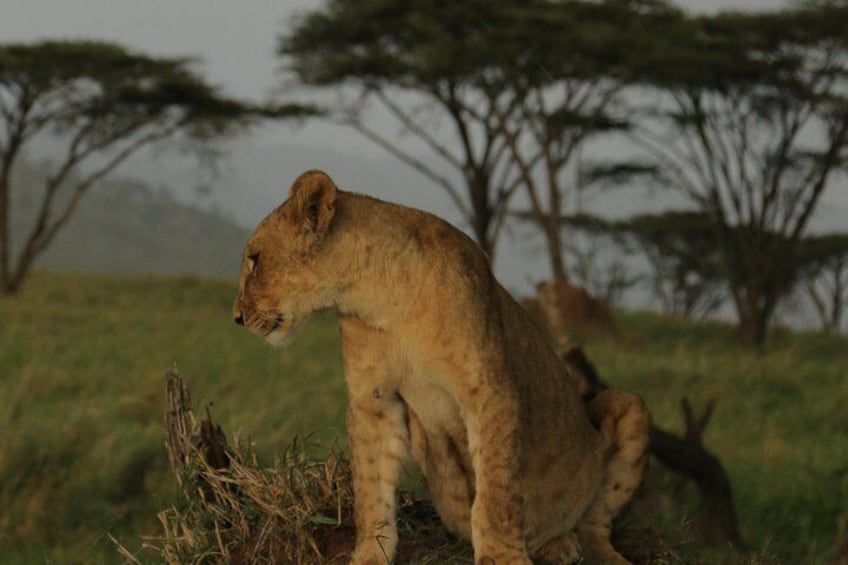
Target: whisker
{"x": 264, "y": 320}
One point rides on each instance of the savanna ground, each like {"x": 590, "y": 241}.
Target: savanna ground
{"x": 81, "y": 387}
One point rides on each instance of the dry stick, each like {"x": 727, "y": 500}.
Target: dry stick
{"x": 213, "y": 443}
{"x": 179, "y": 423}
{"x": 693, "y": 433}
{"x": 685, "y": 456}
{"x": 695, "y": 428}
{"x": 717, "y": 515}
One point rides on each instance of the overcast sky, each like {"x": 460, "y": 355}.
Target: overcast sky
{"x": 236, "y": 40}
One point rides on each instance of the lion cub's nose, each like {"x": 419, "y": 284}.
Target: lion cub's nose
{"x": 239, "y": 319}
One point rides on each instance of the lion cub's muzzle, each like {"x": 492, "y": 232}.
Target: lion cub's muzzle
{"x": 262, "y": 323}
{"x": 276, "y": 322}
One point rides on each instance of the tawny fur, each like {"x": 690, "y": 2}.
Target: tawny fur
{"x": 443, "y": 365}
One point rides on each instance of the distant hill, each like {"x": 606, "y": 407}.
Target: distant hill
{"x": 128, "y": 227}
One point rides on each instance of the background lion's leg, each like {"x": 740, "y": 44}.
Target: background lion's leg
{"x": 623, "y": 419}
{"x": 445, "y": 464}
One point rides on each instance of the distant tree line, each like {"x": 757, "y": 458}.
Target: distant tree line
{"x": 743, "y": 114}
{"x": 684, "y": 270}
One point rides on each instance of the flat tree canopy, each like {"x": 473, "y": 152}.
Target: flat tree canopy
{"x": 822, "y": 271}
{"x": 104, "y": 103}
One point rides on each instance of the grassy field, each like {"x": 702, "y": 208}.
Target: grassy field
{"x": 81, "y": 383}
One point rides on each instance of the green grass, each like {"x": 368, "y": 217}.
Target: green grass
{"x": 780, "y": 426}
{"x": 81, "y": 386}
{"x": 81, "y": 382}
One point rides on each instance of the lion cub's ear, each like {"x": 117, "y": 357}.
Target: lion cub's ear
{"x": 312, "y": 204}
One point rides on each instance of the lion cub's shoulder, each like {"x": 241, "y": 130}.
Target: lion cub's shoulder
{"x": 411, "y": 228}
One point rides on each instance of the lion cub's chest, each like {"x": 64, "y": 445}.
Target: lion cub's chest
{"x": 394, "y": 362}
{"x": 435, "y": 407}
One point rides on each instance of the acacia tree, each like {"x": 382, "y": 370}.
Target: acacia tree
{"x": 749, "y": 120}
{"x": 565, "y": 80}
{"x": 600, "y": 258}
{"x": 430, "y": 65}
{"x": 104, "y": 104}
{"x": 823, "y": 276}
{"x": 520, "y": 84}
{"x": 682, "y": 251}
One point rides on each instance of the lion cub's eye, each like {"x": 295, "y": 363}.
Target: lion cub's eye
{"x": 252, "y": 259}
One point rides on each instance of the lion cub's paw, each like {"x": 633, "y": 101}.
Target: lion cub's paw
{"x": 603, "y": 554}
{"x": 369, "y": 555}
{"x": 516, "y": 560}
{"x": 561, "y": 551}
{"x": 367, "y": 560}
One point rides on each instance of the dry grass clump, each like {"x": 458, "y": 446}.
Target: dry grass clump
{"x": 232, "y": 510}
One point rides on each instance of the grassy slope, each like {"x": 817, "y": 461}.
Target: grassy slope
{"x": 781, "y": 425}
{"x": 81, "y": 364}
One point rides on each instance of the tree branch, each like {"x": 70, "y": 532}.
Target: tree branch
{"x": 411, "y": 161}
{"x": 416, "y": 129}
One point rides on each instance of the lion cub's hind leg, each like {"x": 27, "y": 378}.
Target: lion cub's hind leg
{"x": 624, "y": 420}
{"x": 450, "y": 483}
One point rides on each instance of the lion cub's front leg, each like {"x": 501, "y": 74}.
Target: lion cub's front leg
{"x": 379, "y": 443}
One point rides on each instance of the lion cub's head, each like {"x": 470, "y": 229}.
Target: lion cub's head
{"x": 283, "y": 272}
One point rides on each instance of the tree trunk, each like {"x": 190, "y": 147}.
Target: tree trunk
{"x": 552, "y": 220}
{"x": 754, "y": 327}
{"x": 745, "y": 266}
{"x": 22, "y": 269}
{"x": 754, "y": 311}
{"x": 483, "y": 239}
{"x": 11, "y": 151}
{"x": 5, "y": 244}
{"x": 755, "y": 314}
{"x": 837, "y": 297}
{"x": 550, "y": 227}
{"x": 5, "y": 212}
{"x": 479, "y": 186}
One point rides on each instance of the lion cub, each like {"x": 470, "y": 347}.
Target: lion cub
{"x": 443, "y": 365}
